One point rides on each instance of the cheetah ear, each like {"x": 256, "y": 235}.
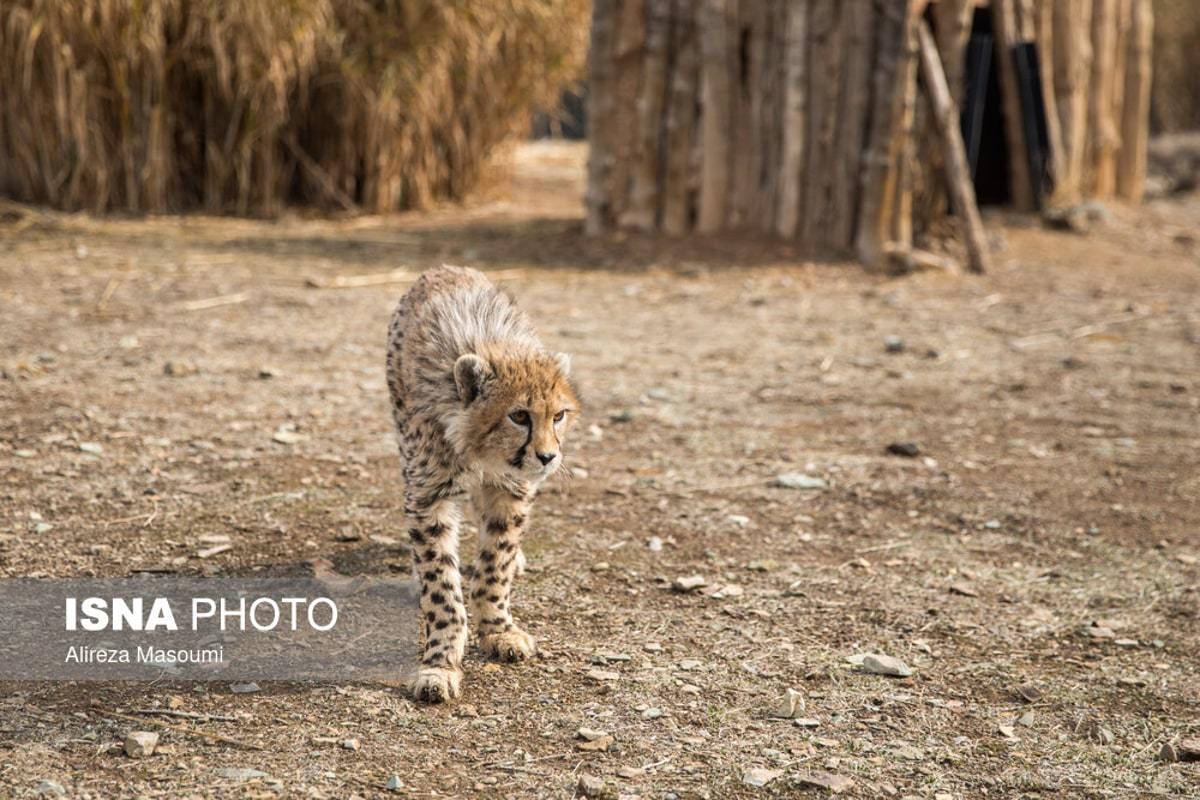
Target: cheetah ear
{"x": 564, "y": 364}
{"x": 470, "y": 374}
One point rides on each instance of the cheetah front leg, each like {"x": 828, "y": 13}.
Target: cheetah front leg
{"x": 434, "y": 534}
{"x": 502, "y": 521}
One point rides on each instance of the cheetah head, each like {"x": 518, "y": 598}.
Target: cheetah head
{"x": 518, "y": 408}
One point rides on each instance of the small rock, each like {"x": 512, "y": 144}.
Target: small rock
{"x": 49, "y": 788}
{"x": 1026, "y": 719}
{"x": 43, "y": 527}
{"x": 1008, "y": 731}
{"x": 139, "y": 744}
{"x": 806, "y": 722}
{"x": 905, "y": 449}
{"x": 825, "y": 780}
{"x": 592, "y": 786}
{"x": 90, "y": 447}
{"x": 759, "y": 776}
{"x": 178, "y": 369}
{"x": 244, "y": 688}
{"x": 655, "y": 544}
{"x": 286, "y": 436}
{"x": 738, "y": 520}
{"x": 763, "y": 565}
{"x": 600, "y": 566}
{"x": 885, "y": 665}
{"x": 789, "y": 706}
{"x": 625, "y": 415}
{"x": 630, "y": 772}
{"x": 590, "y": 734}
{"x": 603, "y": 675}
{"x": 992, "y": 524}
{"x": 240, "y": 773}
{"x": 893, "y": 344}
{"x": 394, "y": 784}
{"x": 963, "y": 588}
{"x": 689, "y": 583}
{"x": 266, "y": 373}
{"x": 600, "y": 743}
{"x": 1028, "y": 692}
{"x": 689, "y": 664}
{"x": 1099, "y": 631}
{"x": 1189, "y": 750}
{"x": 1168, "y": 752}
{"x": 351, "y": 744}
{"x": 652, "y": 647}
{"x": 1126, "y": 642}
{"x": 652, "y": 713}
{"x": 798, "y": 480}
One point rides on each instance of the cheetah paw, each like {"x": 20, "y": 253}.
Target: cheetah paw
{"x": 437, "y": 684}
{"x": 510, "y": 645}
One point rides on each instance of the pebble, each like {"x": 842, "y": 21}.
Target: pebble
{"x": 43, "y": 527}
{"x": 893, "y": 344}
{"x": 789, "y": 706}
{"x": 351, "y": 744}
{"x": 905, "y": 449}
{"x": 738, "y": 520}
{"x": 139, "y": 744}
{"x": 652, "y": 647}
{"x": 603, "y": 675}
{"x": 178, "y": 369}
{"x": 630, "y": 772}
{"x": 394, "y": 784}
{"x": 798, "y": 480}
{"x": 655, "y": 544}
{"x": 885, "y": 665}
{"x": 689, "y": 664}
{"x": 1189, "y": 750}
{"x": 240, "y": 773}
{"x": 689, "y": 583}
{"x": 807, "y": 722}
{"x": 825, "y": 780}
{"x": 244, "y": 688}
{"x": 1026, "y": 719}
{"x": 1029, "y": 693}
{"x": 759, "y": 776}
{"x": 592, "y": 786}
{"x": 49, "y": 788}
{"x": 652, "y": 713}
{"x": 91, "y": 447}
{"x": 285, "y": 436}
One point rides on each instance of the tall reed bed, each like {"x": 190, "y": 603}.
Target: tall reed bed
{"x": 243, "y": 106}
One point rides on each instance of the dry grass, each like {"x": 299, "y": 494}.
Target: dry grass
{"x": 245, "y": 106}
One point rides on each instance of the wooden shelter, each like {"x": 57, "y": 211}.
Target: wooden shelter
{"x": 858, "y": 126}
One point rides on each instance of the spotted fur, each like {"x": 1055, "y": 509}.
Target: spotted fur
{"x": 481, "y": 410}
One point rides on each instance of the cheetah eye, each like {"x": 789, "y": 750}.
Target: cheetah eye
{"x": 520, "y": 418}
{"x": 560, "y": 416}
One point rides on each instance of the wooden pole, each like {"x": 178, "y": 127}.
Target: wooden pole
{"x": 884, "y": 148}
{"x": 1102, "y": 128}
{"x": 1045, "y": 42}
{"x": 681, "y": 122}
{"x": 1007, "y": 35}
{"x": 716, "y": 119}
{"x": 601, "y": 108}
{"x": 958, "y": 173}
{"x": 795, "y": 109}
{"x": 642, "y": 213}
{"x": 1072, "y": 67}
{"x": 1135, "y": 116}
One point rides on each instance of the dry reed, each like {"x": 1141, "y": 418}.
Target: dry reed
{"x": 242, "y": 106}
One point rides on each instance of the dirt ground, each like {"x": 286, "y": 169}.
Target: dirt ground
{"x": 1042, "y": 543}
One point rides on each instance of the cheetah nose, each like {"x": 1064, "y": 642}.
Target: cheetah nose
{"x": 546, "y": 458}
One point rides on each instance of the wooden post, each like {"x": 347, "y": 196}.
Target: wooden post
{"x": 1135, "y": 116}
{"x": 958, "y": 174}
{"x": 601, "y": 106}
{"x": 795, "y": 109}
{"x": 1102, "y": 128}
{"x": 1045, "y": 41}
{"x": 642, "y": 213}
{"x": 716, "y": 117}
{"x": 1072, "y": 68}
{"x": 681, "y": 123}
{"x": 1007, "y": 36}
{"x": 884, "y": 148}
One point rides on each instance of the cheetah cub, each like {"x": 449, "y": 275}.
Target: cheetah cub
{"x": 481, "y": 411}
